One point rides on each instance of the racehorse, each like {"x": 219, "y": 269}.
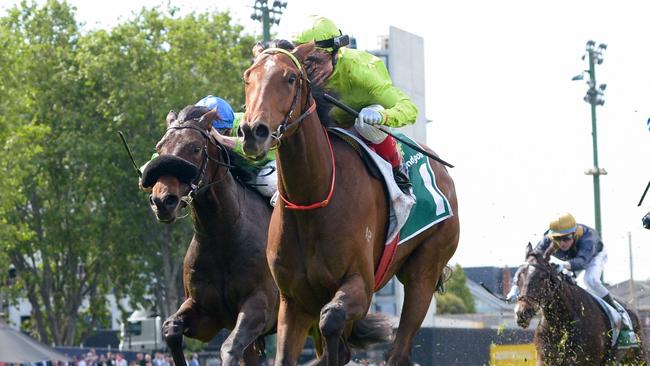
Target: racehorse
{"x": 574, "y": 330}
{"x": 327, "y": 234}
{"x": 225, "y": 274}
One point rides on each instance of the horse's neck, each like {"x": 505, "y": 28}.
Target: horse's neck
{"x": 561, "y": 307}
{"x": 217, "y": 211}
{"x": 305, "y": 163}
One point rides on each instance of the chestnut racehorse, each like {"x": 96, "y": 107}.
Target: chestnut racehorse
{"x": 323, "y": 254}
{"x": 573, "y": 330}
{"x": 225, "y": 274}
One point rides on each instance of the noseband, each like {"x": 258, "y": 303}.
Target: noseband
{"x": 197, "y": 186}
{"x": 282, "y": 128}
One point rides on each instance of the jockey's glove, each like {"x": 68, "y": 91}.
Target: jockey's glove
{"x": 646, "y": 221}
{"x": 371, "y": 115}
{"x": 512, "y": 295}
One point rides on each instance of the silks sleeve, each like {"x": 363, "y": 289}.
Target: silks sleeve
{"x": 373, "y": 78}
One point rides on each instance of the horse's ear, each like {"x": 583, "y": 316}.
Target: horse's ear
{"x": 301, "y": 52}
{"x": 206, "y": 120}
{"x": 529, "y": 249}
{"x": 257, "y": 49}
{"x": 171, "y": 117}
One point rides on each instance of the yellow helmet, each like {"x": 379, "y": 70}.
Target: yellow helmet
{"x": 562, "y": 225}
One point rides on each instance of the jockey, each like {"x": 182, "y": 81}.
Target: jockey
{"x": 224, "y": 129}
{"x": 361, "y": 80}
{"x": 581, "y": 248}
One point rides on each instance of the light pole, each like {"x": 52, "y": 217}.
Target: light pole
{"x": 595, "y": 97}
{"x": 268, "y": 16}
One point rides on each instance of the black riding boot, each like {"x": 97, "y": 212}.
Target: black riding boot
{"x": 608, "y": 299}
{"x": 402, "y": 179}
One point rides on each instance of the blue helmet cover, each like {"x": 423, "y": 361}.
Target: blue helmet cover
{"x": 224, "y": 110}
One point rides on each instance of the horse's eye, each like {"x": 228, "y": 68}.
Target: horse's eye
{"x": 197, "y": 149}
{"x": 292, "y": 79}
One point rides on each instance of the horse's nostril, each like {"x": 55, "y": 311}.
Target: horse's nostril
{"x": 151, "y": 202}
{"x": 261, "y": 131}
{"x": 170, "y": 201}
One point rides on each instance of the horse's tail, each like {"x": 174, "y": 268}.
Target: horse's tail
{"x": 374, "y": 328}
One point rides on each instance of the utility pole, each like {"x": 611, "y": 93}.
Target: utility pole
{"x": 632, "y": 287}
{"x": 268, "y": 16}
{"x": 594, "y": 97}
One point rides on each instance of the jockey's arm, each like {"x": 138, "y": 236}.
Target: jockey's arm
{"x": 399, "y": 109}
{"x": 227, "y": 141}
{"x": 362, "y": 79}
{"x": 586, "y": 245}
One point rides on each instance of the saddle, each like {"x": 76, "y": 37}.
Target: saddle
{"x": 623, "y": 336}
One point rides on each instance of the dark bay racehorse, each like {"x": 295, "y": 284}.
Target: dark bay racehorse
{"x": 323, "y": 254}
{"x": 573, "y": 330}
{"x": 225, "y": 274}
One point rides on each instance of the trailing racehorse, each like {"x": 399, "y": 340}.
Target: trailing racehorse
{"x": 574, "y": 330}
{"x": 328, "y": 233}
{"x": 225, "y": 274}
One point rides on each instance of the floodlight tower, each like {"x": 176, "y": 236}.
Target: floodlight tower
{"x": 268, "y": 16}
{"x": 595, "y": 97}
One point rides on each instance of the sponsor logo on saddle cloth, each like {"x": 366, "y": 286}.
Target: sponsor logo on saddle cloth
{"x": 431, "y": 206}
{"x": 622, "y": 334}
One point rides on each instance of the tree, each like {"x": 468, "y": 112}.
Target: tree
{"x": 457, "y": 291}
{"x": 74, "y": 224}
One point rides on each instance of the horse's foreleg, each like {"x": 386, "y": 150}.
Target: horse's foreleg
{"x": 293, "y": 325}
{"x": 190, "y": 321}
{"x": 251, "y": 322}
{"x": 349, "y": 303}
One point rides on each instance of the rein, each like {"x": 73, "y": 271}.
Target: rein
{"x": 279, "y": 133}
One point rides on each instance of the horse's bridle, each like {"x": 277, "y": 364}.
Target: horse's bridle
{"x": 282, "y": 128}
{"x": 197, "y": 185}
{"x": 523, "y": 296}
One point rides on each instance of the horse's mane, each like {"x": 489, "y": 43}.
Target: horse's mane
{"x": 192, "y": 112}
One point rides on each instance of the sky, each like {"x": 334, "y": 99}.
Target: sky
{"x": 504, "y": 110}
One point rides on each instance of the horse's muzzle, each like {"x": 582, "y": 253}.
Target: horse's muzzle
{"x": 524, "y": 313}
{"x": 165, "y": 207}
{"x": 257, "y": 139}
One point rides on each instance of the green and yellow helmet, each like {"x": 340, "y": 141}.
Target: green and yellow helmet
{"x": 562, "y": 225}
{"x": 322, "y": 31}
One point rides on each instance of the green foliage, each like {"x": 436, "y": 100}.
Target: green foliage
{"x": 73, "y": 221}
{"x": 449, "y": 303}
{"x": 457, "y": 290}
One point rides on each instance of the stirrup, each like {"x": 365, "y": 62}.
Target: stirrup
{"x": 402, "y": 180}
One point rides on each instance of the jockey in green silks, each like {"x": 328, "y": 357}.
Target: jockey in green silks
{"x": 361, "y": 81}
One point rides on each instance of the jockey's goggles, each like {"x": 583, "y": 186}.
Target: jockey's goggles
{"x": 563, "y": 238}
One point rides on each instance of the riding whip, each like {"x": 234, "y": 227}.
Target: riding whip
{"x": 128, "y": 151}
{"x": 385, "y": 130}
{"x": 492, "y": 293}
{"x": 643, "y": 195}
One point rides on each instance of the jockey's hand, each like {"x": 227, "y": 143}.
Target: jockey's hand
{"x": 371, "y": 116}
{"x": 512, "y": 295}
{"x": 646, "y": 221}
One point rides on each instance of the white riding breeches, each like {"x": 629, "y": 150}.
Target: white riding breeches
{"x": 590, "y": 278}
{"x": 266, "y": 181}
